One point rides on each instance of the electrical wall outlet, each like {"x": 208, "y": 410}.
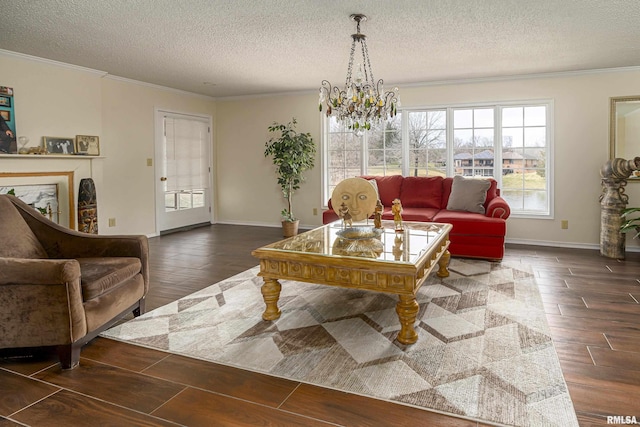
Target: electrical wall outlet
{"x": 315, "y": 211}
{"x": 564, "y": 224}
{"x": 112, "y": 222}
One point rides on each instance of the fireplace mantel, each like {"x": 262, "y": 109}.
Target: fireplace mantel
{"x": 49, "y": 156}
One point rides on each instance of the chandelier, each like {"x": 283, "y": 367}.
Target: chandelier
{"x": 363, "y": 101}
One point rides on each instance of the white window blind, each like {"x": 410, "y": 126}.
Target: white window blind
{"x": 186, "y": 163}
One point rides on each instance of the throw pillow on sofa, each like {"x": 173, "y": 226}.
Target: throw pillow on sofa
{"x": 468, "y": 194}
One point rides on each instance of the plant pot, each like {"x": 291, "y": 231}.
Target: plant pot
{"x": 290, "y": 228}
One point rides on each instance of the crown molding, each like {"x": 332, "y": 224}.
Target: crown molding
{"x": 101, "y": 74}
{"x": 52, "y": 62}
{"x": 105, "y": 74}
{"x": 159, "y": 87}
{"x": 555, "y": 74}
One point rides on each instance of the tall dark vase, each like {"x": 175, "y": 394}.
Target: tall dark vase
{"x": 87, "y": 207}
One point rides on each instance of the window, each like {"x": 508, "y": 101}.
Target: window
{"x": 427, "y": 143}
{"x": 524, "y": 148}
{"x": 186, "y": 169}
{"x": 509, "y": 142}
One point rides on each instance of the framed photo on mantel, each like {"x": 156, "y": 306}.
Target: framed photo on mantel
{"x": 87, "y": 145}
{"x": 56, "y": 145}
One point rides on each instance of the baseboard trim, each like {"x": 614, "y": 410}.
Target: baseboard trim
{"x": 571, "y": 245}
{"x": 523, "y": 242}
{"x": 265, "y": 224}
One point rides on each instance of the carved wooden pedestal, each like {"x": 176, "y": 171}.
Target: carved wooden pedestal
{"x": 613, "y": 200}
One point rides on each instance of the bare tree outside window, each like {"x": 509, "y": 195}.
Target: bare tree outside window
{"x": 427, "y": 143}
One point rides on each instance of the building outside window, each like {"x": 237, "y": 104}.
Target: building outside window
{"x": 509, "y": 142}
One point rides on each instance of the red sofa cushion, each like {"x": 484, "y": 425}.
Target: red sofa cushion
{"x": 472, "y": 223}
{"x": 416, "y": 214}
{"x": 388, "y": 187}
{"x": 421, "y": 192}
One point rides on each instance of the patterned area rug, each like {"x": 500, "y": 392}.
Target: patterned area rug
{"x": 484, "y": 351}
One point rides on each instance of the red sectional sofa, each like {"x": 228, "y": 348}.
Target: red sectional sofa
{"x": 474, "y": 235}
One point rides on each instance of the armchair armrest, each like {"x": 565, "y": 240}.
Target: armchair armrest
{"x": 40, "y": 302}
{"x": 498, "y": 208}
{"x": 23, "y": 271}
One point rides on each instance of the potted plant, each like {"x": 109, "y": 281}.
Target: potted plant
{"x": 293, "y": 153}
{"x": 629, "y": 222}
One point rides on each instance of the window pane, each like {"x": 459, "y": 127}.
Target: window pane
{"x": 198, "y": 198}
{"x": 427, "y": 133}
{"x": 535, "y": 201}
{"x": 513, "y": 198}
{"x": 462, "y": 119}
{"x": 483, "y": 138}
{"x": 463, "y": 138}
{"x": 512, "y": 117}
{"x": 535, "y": 137}
{"x": 483, "y": 118}
{"x": 337, "y": 142}
{"x": 512, "y": 137}
{"x": 535, "y": 116}
{"x": 437, "y": 119}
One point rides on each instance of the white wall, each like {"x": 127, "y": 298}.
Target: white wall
{"x": 55, "y": 100}
{"x": 248, "y": 192}
{"x": 128, "y": 193}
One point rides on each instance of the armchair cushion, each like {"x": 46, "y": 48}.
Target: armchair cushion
{"x": 18, "y": 241}
{"x": 100, "y": 275}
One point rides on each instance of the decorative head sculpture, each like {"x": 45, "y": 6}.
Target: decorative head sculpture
{"x": 358, "y": 195}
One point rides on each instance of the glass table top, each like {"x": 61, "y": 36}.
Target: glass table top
{"x": 363, "y": 241}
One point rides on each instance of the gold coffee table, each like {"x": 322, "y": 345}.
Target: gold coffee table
{"x": 395, "y": 262}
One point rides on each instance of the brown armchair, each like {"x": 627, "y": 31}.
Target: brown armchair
{"x": 60, "y": 287}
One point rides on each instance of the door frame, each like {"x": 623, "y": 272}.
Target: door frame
{"x": 158, "y": 120}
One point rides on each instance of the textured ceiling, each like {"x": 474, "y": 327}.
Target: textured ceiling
{"x": 248, "y": 47}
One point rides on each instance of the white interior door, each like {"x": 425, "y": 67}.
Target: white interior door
{"x": 183, "y": 170}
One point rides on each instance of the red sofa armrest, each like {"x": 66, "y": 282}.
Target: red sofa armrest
{"x": 498, "y": 208}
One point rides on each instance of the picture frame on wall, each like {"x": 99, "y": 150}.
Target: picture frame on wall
{"x": 57, "y": 145}
{"x": 88, "y": 145}
{"x": 8, "y": 142}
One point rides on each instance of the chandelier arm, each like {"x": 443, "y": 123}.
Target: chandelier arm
{"x": 326, "y": 86}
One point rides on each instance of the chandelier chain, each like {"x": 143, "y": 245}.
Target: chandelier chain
{"x": 367, "y": 65}
{"x": 350, "y": 67}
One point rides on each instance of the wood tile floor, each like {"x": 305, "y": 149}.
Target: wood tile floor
{"x": 592, "y": 306}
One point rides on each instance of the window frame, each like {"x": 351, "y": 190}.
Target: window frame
{"x": 450, "y": 171}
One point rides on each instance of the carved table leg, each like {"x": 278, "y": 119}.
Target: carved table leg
{"x": 407, "y": 309}
{"x": 443, "y": 262}
{"x": 271, "y": 294}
